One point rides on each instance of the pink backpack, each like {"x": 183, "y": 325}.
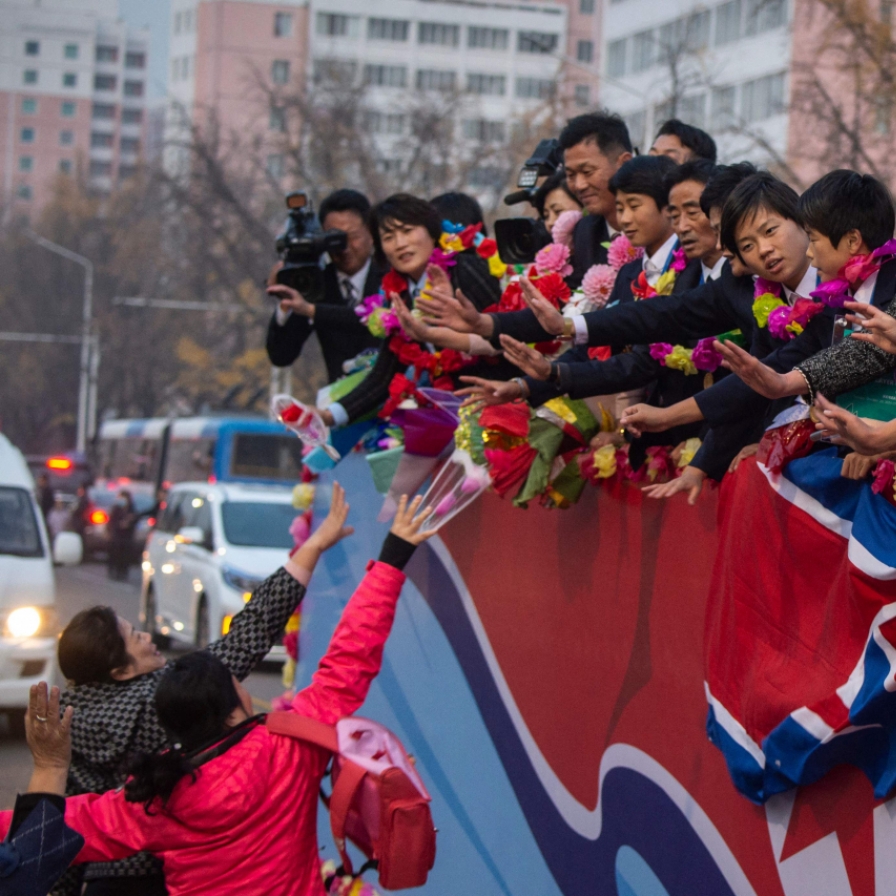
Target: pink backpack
{"x": 378, "y": 800}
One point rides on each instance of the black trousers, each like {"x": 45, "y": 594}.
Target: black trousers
{"x": 127, "y": 886}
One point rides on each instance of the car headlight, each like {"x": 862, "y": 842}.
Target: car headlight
{"x": 26, "y": 622}
{"x": 239, "y": 581}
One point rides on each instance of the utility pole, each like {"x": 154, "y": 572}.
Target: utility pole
{"x": 85, "y": 426}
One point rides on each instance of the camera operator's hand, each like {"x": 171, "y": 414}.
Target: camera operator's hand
{"x": 531, "y": 361}
{"x": 548, "y": 316}
{"x": 291, "y": 300}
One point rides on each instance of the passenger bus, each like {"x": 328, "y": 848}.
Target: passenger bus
{"x": 160, "y": 452}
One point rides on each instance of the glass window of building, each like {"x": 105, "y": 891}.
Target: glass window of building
{"x": 388, "y": 29}
{"x": 32, "y": 47}
{"x": 66, "y": 138}
{"x": 488, "y": 38}
{"x": 106, "y": 54}
{"x": 280, "y": 71}
{"x": 69, "y": 79}
{"x": 29, "y": 105}
{"x": 29, "y": 76}
{"x": 282, "y": 24}
{"x": 67, "y": 109}
{"x": 439, "y": 34}
{"x": 537, "y": 41}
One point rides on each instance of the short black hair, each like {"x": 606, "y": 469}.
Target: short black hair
{"x": 459, "y": 208}
{"x": 699, "y": 170}
{"x": 403, "y": 208}
{"x": 606, "y": 129}
{"x": 761, "y": 190}
{"x": 721, "y": 185}
{"x": 91, "y": 647}
{"x": 645, "y": 175}
{"x": 845, "y": 200}
{"x": 345, "y": 201}
{"x": 557, "y": 181}
{"x": 697, "y": 141}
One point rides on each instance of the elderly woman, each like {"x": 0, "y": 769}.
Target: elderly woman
{"x": 230, "y": 807}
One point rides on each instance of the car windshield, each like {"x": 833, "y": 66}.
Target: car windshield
{"x": 257, "y": 525}
{"x": 105, "y": 498}
{"x": 19, "y": 534}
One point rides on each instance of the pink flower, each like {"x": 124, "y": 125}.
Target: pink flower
{"x": 621, "y": 252}
{"x": 659, "y": 351}
{"x": 442, "y": 259}
{"x": 705, "y": 357}
{"x": 563, "y": 227}
{"x": 778, "y": 319}
{"x": 368, "y": 305}
{"x": 833, "y": 293}
{"x": 679, "y": 261}
{"x": 886, "y": 251}
{"x": 553, "y": 259}
{"x": 763, "y": 286}
{"x": 597, "y": 284}
{"x": 884, "y": 472}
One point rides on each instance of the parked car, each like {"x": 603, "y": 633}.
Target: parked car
{"x": 210, "y": 548}
{"x": 101, "y": 498}
{"x": 29, "y": 625}
{"x": 66, "y": 472}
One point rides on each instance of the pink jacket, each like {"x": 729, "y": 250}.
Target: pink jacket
{"x": 248, "y": 824}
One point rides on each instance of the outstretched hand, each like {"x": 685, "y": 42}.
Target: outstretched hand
{"x": 531, "y": 361}
{"x": 414, "y": 327}
{"x": 758, "y": 376}
{"x": 690, "y": 481}
{"x": 408, "y": 520}
{"x": 547, "y": 315}
{"x": 482, "y": 392}
{"x": 641, "y": 418}
{"x": 447, "y": 308}
{"x": 49, "y": 738}
{"x": 333, "y": 529}
{"x": 879, "y": 327}
{"x": 844, "y": 428}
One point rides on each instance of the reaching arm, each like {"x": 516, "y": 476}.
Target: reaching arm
{"x": 257, "y": 626}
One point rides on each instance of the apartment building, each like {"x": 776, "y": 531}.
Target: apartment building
{"x": 72, "y": 93}
{"x": 507, "y": 58}
{"x": 722, "y": 66}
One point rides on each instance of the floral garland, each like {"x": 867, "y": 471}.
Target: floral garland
{"x": 783, "y": 321}
{"x": 641, "y": 289}
{"x": 610, "y": 462}
{"x": 853, "y": 274}
{"x": 884, "y": 481}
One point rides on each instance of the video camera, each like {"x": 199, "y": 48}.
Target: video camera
{"x": 519, "y": 239}
{"x": 301, "y": 245}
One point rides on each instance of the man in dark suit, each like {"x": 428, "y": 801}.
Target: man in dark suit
{"x": 350, "y": 276}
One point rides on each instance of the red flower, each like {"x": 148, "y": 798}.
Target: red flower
{"x": 399, "y": 389}
{"x": 512, "y": 297}
{"x": 553, "y": 287}
{"x": 600, "y": 352}
{"x": 394, "y": 282}
{"x": 641, "y": 289}
{"x": 512, "y": 418}
{"x": 487, "y": 248}
{"x": 468, "y": 234}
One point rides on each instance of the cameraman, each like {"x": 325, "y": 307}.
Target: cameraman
{"x": 350, "y": 276}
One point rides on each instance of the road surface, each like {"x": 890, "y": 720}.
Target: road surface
{"x": 78, "y": 588}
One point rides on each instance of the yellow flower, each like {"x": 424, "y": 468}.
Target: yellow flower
{"x": 496, "y": 267}
{"x": 691, "y": 447}
{"x": 680, "y": 359}
{"x": 289, "y": 673}
{"x": 294, "y": 623}
{"x": 303, "y": 496}
{"x": 794, "y": 327}
{"x": 451, "y": 243}
{"x": 763, "y": 307}
{"x": 665, "y": 283}
{"x": 605, "y": 461}
{"x": 561, "y": 409}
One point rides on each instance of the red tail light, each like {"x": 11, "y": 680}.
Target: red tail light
{"x": 151, "y": 522}
{"x": 59, "y": 463}
{"x": 99, "y": 517}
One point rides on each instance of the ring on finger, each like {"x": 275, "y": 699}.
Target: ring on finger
{"x": 40, "y": 718}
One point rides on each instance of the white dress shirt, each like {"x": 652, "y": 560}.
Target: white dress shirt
{"x": 714, "y": 272}
{"x": 806, "y": 287}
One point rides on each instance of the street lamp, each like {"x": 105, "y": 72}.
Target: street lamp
{"x": 85, "y": 428}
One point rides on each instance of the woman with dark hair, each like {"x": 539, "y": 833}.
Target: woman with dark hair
{"x": 406, "y": 232}
{"x": 121, "y": 526}
{"x": 553, "y": 198}
{"x": 460, "y": 208}
{"x": 230, "y": 807}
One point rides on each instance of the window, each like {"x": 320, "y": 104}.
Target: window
{"x": 385, "y": 75}
{"x": 487, "y": 176}
{"x": 585, "y": 51}
{"x": 435, "y": 79}
{"x": 32, "y": 47}
{"x": 487, "y": 85}
{"x": 133, "y": 88}
{"x": 583, "y": 95}
{"x": 728, "y": 22}
{"x": 616, "y": 58}
{"x": 697, "y": 31}
{"x": 130, "y": 145}
{"x": 66, "y": 138}
{"x": 387, "y": 29}
{"x": 103, "y": 111}
{"x": 67, "y": 109}
{"x": 282, "y": 24}
{"x": 692, "y": 110}
{"x": 26, "y": 135}
{"x": 26, "y": 163}
{"x": 65, "y": 166}
{"x": 642, "y": 51}
{"x": 336, "y": 71}
{"x": 100, "y": 169}
{"x": 488, "y": 38}
{"x": 178, "y": 22}
{"x": 135, "y": 60}
{"x": 188, "y": 20}
{"x": 107, "y": 54}
{"x": 175, "y": 69}
{"x": 586, "y": 7}
{"x": 69, "y": 79}
{"x": 536, "y": 42}
{"x": 637, "y": 127}
{"x": 762, "y": 98}
{"x": 102, "y": 141}
{"x": 280, "y": 71}
{"x": 126, "y": 171}
{"x": 24, "y": 191}
{"x": 384, "y": 123}
{"x": 335, "y": 25}
{"x": 277, "y": 119}
{"x": 441, "y": 35}
{"x": 29, "y": 106}
{"x": 132, "y": 116}
{"x": 29, "y": 76}
{"x": 764, "y": 15}
{"x": 71, "y": 51}
{"x": 534, "y": 88}
{"x": 483, "y": 130}
{"x": 105, "y": 82}
{"x": 274, "y": 166}
{"x": 886, "y": 16}
{"x": 722, "y": 102}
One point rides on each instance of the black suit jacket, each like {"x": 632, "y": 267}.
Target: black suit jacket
{"x": 588, "y": 247}
{"x": 341, "y": 334}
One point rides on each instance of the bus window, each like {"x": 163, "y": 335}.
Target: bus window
{"x": 189, "y": 459}
{"x": 262, "y": 456}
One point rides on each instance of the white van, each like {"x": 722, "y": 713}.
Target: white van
{"x": 29, "y": 625}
